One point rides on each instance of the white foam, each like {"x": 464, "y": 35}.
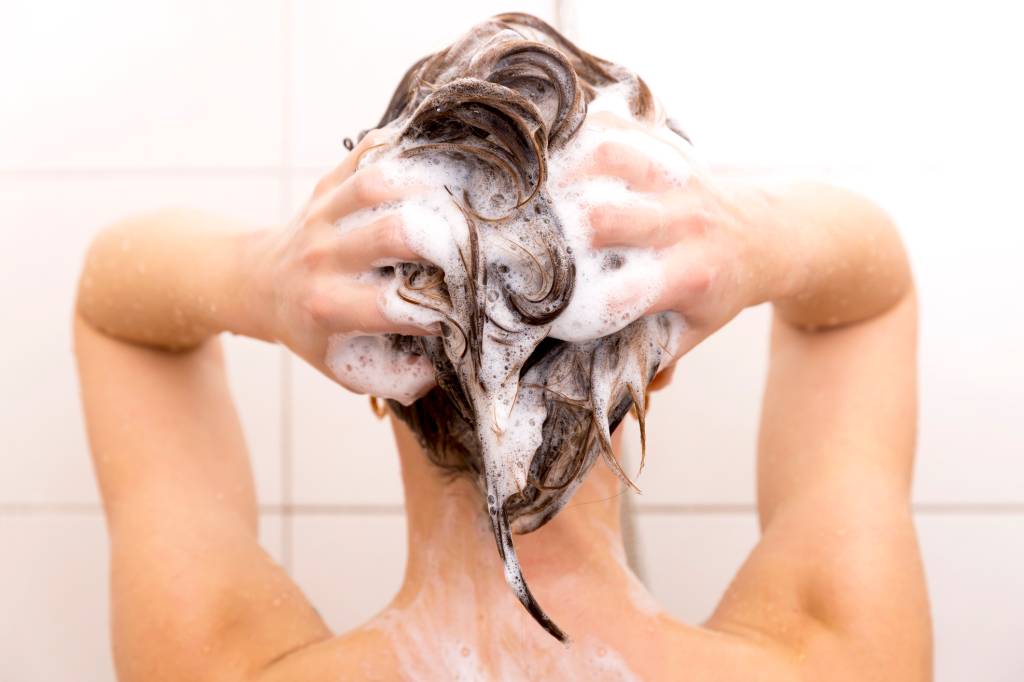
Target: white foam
{"x": 613, "y": 287}
{"x": 367, "y": 364}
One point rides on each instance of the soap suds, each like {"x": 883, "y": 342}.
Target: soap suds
{"x": 612, "y": 289}
{"x": 370, "y": 364}
{"x": 544, "y": 345}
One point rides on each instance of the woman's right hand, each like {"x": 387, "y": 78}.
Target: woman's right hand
{"x": 307, "y": 282}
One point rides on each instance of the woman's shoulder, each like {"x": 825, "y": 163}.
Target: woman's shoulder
{"x": 669, "y": 651}
{"x": 361, "y": 654}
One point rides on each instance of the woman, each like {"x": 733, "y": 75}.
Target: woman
{"x": 834, "y": 589}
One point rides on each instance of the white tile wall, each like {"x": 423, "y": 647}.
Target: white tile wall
{"x": 165, "y": 83}
{"x": 702, "y": 428}
{"x": 48, "y": 221}
{"x": 56, "y": 619}
{"x": 349, "y": 565}
{"x": 347, "y": 58}
{"x": 55, "y": 597}
{"x": 341, "y": 451}
{"x": 803, "y": 81}
{"x": 113, "y": 107}
{"x": 689, "y": 559}
{"x": 965, "y": 231}
{"x": 973, "y": 564}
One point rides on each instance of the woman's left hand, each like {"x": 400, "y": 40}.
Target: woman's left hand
{"x": 711, "y": 247}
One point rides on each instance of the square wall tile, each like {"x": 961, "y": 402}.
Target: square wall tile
{"x": 702, "y": 428}
{"x": 299, "y": 188}
{"x": 974, "y": 564}
{"x": 55, "y": 599}
{"x": 799, "y": 81}
{"x": 349, "y": 565}
{"x": 341, "y": 453}
{"x": 349, "y": 56}
{"x": 271, "y": 535}
{"x": 167, "y": 83}
{"x": 255, "y": 376}
{"x": 48, "y": 224}
{"x": 964, "y": 232}
{"x": 688, "y": 559}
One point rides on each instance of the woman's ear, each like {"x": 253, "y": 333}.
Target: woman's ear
{"x": 662, "y": 378}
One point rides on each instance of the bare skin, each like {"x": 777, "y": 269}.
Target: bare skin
{"x": 834, "y": 589}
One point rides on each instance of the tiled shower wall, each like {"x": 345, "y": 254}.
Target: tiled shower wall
{"x": 107, "y": 108}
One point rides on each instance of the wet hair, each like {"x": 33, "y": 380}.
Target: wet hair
{"x": 503, "y": 99}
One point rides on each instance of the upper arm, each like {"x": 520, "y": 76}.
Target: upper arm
{"x": 193, "y": 594}
{"x": 837, "y": 573}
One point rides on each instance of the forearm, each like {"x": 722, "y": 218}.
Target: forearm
{"x": 834, "y": 257}
{"x": 169, "y": 280}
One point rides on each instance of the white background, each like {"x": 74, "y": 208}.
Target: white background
{"x": 107, "y": 108}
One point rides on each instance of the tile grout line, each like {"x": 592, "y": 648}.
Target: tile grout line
{"x": 919, "y": 508}
{"x": 130, "y": 172}
{"x": 273, "y": 171}
{"x": 288, "y": 509}
{"x": 284, "y": 196}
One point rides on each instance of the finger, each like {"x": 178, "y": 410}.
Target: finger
{"x": 689, "y": 281}
{"x": 350, "y": 163}
{"x": 676, "y": 216}
{"x": 365, "y": 188}
{"x": 641, "y": 225}
{"x": 382, "y": 242}
{"x": 615, "y": 159}
{"x": 347, "y": 306}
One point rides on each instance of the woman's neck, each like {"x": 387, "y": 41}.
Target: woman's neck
{"x": 575, "y": 564}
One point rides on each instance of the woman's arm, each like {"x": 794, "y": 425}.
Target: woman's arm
{"x": 193, "y": 596}
{"x": 172, "y": 279}
{"x": 837, "y": 576}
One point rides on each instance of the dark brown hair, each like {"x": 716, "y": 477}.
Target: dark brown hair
{"x": 501, "y": 99}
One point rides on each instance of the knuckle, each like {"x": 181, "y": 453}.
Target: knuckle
{"x": 699, "y": 223}
{"x": 607, "y": 154}
{"x": 368, "y": 186}
{"x": 660, "y": 224}
{"x": 391, "y": 235}
{"x": 602, "y": 224}
{"x": 323, "y": 185}
{"x": 312, "y": 258}
{"x": 373, "y": 137}
{"x": 361, "y": 186}
{"x": 318, "y": 306}
{"x": 696, "y": 280}
{"x": 652, "y": 173}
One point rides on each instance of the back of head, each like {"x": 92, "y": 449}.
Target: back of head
{"x": 523, "y": 402}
